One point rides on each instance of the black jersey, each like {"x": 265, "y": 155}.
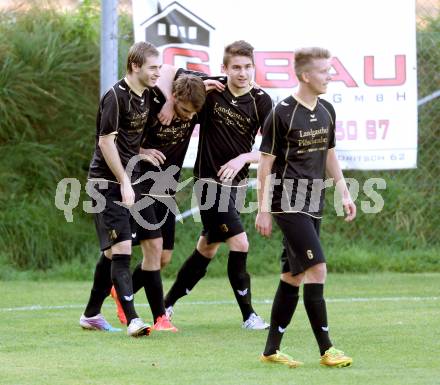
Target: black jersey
{"x": 299, "y": 138}
{"x": 229, "y": 129}
{"x": 173, "y": 142}
{"x": 124, "y": 113}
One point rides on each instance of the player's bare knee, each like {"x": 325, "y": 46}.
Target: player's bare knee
{"x": 242, "y": 245}
{"x": 208, "y": 251}
{"x": 316, "y": 273}
{"x": 151, "y": 262}
{"x": 108, "y": 253}
{"x": 123, "y": 247}
{"x": 152, "y": 247}
{"x": 294, "y": 280}
{"x": 238, "y": 243}
{"x": 151, "y": 253}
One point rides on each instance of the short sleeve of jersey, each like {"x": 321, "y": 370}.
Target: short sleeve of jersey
{"x": 272, "y": 135}
{"x": 109, "y": 114}
{"x": 157, "y": 100}
{"x": 332, "y": 138}
{"x": 264, "y": 106}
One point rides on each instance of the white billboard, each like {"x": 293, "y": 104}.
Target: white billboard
{"x": 374, "y": 87}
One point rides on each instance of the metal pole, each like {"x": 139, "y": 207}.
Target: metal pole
{"x": 109, "y": 44}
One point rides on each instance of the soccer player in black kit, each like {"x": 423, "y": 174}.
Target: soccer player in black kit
{"x": 298, "y": 148}
{"x": 227, "y": 134}
{"x": 163, "y": 151}
{"x": 123, "y": 112}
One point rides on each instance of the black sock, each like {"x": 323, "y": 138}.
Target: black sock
{"x": 151, "y": 281}
{"x": 154, "y": 292}
{"x": 240, "y": 282}
{"x": 121, "y": 278}
{"x": 102, "y": 284}
{"x": 283, "y": 307}
{"x": 316, "y": 311}
{"x": 191, "y": 272}
{"x": 137, "y": 278}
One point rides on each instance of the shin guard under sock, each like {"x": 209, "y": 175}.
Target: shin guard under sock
{"x": 191, "y": 272}
{"x": 121, "y": 277}
{"x": 102, "y": 284}
{"x": 317, "y": 312}
{"x": 240, "y": 282}
{"x": 283, "y": 307}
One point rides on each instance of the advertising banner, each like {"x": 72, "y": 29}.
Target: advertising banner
{"x": 373, "y": 43}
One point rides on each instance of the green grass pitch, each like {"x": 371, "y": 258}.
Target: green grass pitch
{"x": 388, "y": 323}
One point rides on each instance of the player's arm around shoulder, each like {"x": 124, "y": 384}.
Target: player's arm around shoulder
{"x": 165, "y": 81}
{"x": 165, "y": 84}
{"x": 214, "y": 85}
{"x": 334, "y": 171}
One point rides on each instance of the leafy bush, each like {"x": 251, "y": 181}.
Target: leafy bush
{"x": 49, "y": 81}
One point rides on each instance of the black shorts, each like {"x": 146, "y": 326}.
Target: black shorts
{"x": 302, "y": 248}
{"x": 113, "y": 224}
{"x": 220, "y": 217}
{"x": 158, "y": 221}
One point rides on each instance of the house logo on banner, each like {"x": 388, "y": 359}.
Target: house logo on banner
{"x": 177, "y": 26}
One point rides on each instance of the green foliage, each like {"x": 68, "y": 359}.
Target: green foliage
{"x": 85, "y": 22}
{"x": 35, "y": 235}
{"x": 21, "y": 162}
{"x": 48, "y": 94}
{"x": 428, "y": 55}
{"x": 126, "y": 38}
{"x": 43, "y": 63}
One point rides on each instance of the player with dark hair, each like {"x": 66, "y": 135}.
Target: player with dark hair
{"x": 123, "y": 112}
{"x": 163, "y": 148}
{"x": 298, "y": 148}
{"x": 227, "y": 134}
